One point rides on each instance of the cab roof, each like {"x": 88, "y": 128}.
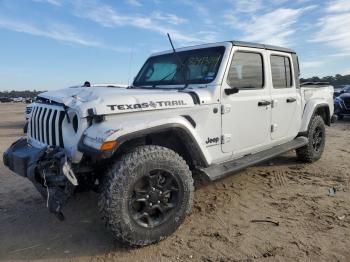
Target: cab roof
{"x": 262, "y": 46}
{"x": 226, "y": 43}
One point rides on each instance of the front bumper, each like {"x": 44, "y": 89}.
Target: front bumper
{"x": 21, "y": 158}
{"x": 46, "y": 168}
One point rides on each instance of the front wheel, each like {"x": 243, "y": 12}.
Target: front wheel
{"x": 317, "y": 139}
{"x": 146, "y": 195}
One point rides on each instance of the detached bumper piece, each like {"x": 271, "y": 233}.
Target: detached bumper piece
{"x": 48, "y": 169}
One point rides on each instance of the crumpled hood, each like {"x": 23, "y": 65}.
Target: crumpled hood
{"x": 107, "y": 100}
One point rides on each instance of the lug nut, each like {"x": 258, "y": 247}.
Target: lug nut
{"x": 160, "y": 192}
{"x": 158, "y": 202}
{"x": 153, "y": 189}
{"x": 150, "y": 204}
{"x": 147, "y": 196}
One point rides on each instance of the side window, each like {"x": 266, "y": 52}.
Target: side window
{"x": 246, "y": 71}
{"x": 281, "y": 72}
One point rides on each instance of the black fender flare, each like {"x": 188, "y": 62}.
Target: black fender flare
{"x": 185, "y": 135}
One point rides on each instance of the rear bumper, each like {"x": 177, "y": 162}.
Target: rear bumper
{"x": 45, "y": 168}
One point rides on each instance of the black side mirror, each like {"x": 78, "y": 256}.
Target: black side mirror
{"x": 231, "y": 91}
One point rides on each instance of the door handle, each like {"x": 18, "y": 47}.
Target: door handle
{"x": 264, "y": 103}
{"x": 291, "y": 100}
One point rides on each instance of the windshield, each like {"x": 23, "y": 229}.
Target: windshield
{"x": 198, "y": 66}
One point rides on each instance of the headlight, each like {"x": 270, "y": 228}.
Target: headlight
{"x": 92, "y": 142}
{"x": 100, "y": 145}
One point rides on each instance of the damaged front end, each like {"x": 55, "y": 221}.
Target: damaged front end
{"x": 48, "y": 169}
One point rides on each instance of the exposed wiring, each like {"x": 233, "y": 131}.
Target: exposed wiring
{"x": 47, "y": 189}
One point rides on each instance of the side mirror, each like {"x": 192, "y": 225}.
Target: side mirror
{"x": 231, "y": 91}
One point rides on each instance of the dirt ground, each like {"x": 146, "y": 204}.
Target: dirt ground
{"x": 312, "y": 225}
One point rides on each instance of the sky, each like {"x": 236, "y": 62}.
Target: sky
{"x": 51, "y": 44}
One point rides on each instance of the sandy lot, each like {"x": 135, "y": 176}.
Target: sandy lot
{"x": 312, "y": 225}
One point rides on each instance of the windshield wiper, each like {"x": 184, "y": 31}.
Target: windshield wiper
{"x": 140, "y": 87}
{"x": 173, "y": 72}
{"x": 182, "y": 66}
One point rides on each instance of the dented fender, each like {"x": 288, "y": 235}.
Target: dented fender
{"x": 121, "y": 131}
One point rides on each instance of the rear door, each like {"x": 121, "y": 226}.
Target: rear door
{"x": 286, "y": 99}
{"x": 246, "y": 115}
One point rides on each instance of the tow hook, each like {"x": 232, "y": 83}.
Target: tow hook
{"x": 58, "y": 178}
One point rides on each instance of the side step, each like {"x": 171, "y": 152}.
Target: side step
{"x": 217, "y": 171}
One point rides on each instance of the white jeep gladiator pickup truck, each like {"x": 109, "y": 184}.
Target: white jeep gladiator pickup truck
{"x": 212, "y": 109}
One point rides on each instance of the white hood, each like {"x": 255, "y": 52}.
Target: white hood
{"x": 111, "y": 100}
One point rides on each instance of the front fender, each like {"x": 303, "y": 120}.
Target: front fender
{"x": 120, "y": 131}
{"x": 309, "y": 110}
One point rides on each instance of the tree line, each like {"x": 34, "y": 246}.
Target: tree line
{"x": 336, "y": 81}
{"x": 15, "y": 93}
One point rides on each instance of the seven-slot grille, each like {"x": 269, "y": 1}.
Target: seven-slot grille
{"x": 45, "y": 125}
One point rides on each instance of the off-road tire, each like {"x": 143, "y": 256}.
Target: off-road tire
{"x": 308, "y": 153}
{"x": 118, "y": 183}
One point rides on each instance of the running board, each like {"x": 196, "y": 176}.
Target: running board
{"x": 217, "y": 171}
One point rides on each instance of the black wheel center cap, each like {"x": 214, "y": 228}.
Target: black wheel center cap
{"x": 154, "y": 196}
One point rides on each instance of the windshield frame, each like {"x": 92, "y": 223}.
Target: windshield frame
{"x": 162, "y": 84}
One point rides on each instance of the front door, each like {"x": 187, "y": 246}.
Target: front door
{"x": 246, "y": 115}
{"x": 286, "y": 100}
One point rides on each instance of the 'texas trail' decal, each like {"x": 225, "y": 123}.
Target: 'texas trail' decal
{"x": 151, "y": 104}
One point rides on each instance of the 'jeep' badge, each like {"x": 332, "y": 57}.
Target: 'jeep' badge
{"x": 212, "y": 141}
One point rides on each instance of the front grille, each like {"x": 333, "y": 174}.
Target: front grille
{"x": 347, "y": 102}
{"x": 28, "y": 110}
{"x": 45, "y": 125}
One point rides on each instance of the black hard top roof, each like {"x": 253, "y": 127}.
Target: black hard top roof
{"x": 262, "y": 46}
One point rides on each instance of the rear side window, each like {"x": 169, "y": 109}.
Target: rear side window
{"x": 281, "y": 72}
{"x": 246, "y": 71}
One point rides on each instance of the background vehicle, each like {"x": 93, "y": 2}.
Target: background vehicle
{"x": 342, "y": 105}
{"x": 345, "y": 89}
{"x": 5, "y": 100}
{"x": 212, "y": 109}
{"x": 18, "y": 99}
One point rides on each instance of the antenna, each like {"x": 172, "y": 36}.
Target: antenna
{"x": 172, "y": 46}
{"x": 130, "y": 62}
{"x": 178, "y": 58}
{"x": 171, "y": 42}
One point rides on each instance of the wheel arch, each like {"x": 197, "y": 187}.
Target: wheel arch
{"x": 173, "y": 136}
{"x": 315, "y": 108}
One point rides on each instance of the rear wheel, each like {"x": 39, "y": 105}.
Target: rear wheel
{"x": 146, "y": 195}
{"x": 317, "y": 138}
